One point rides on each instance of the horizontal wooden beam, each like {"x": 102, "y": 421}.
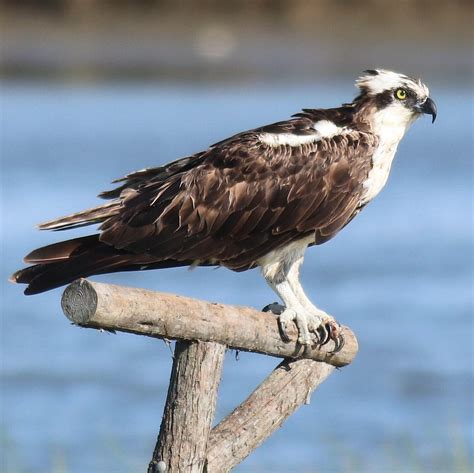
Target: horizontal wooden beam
{"x": 154, "y": 314}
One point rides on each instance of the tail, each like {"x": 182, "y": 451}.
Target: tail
{"x": 62, "y": 263}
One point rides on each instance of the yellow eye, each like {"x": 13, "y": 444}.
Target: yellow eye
{"x": 401, "y": 94}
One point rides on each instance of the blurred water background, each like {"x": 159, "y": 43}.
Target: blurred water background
{"x": 91, "y": 90}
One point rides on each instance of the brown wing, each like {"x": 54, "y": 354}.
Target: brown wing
{"x": 129, "y": 183}
{"x": 229, "y": 205}
{"x": 243, "y": 199}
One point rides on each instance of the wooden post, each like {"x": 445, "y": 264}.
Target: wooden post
{"x": 189, "y": 410}
{"x": 185, "y": 442}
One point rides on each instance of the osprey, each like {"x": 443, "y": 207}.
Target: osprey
{"x": 258, "y": 198}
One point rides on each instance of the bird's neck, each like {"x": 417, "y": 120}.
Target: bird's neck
{"x": 389, "y": 129}
{"x": 388, "y": 124}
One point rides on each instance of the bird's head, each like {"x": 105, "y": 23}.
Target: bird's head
{"x": 397, "y": 100}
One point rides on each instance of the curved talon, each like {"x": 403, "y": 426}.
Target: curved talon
{"x": 326, "y": 334}
{"x": 342, "y": 342}
{"x": 336, "y": 347}
{"x": 283, "y": 333}
{"x": 337, "y": 337}
{"x": 277, "y": 309}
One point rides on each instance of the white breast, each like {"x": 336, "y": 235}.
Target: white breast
{"x": 390, "y": 127}
{"x": 378, "y": 175}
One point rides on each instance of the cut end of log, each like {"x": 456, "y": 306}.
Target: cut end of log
{"x": 79, "y": 301}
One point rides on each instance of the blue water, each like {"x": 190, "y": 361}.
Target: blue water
{"x": 400, "y": 275}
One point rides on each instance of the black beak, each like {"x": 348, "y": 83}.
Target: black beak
{"x": 428, "y": 107}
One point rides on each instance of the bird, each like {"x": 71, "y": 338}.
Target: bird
{"x": 257, "y": 199}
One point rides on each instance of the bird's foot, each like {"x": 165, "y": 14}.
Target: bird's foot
{"x": 313, "y": 328}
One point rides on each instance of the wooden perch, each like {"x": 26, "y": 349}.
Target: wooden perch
{"x": 203, "y": 330}
{"x": 159, "y": 315}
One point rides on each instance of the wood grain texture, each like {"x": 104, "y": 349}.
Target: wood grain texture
{"x": 264, "y": 411}
{"x": 160, "y": 315}
{"x": 189, "y": 410}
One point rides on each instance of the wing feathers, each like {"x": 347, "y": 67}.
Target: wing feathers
{"x": 229, "y": 205}
{"x": 79, "y": 219}
{"x": 239, "y": 190}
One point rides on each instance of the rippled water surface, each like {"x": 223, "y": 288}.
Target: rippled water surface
{"x": 399, "y": 275}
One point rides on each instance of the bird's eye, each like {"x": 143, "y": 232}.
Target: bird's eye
{"x": 401, "y": 94}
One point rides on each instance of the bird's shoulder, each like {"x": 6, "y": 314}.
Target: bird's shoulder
{"x": 307, "y": 126}
{"x": 307, "y": 134}
{"x": 310, "y": 139}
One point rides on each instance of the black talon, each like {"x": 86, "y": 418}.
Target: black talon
{"x": 336, "y": 347}
{"x": 284, "y": 336}
{"x": 324, "y": 335}
{"x": 342, "y": 342}
{"x": 339, "y": 343}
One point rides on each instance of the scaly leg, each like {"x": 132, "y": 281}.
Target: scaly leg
{"x": 281, "y": 271}
{"x": 329, "y": 328}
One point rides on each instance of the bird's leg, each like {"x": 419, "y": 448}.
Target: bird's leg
{"x": 329, "y": 329}
{"x": 276, "y": 270}
{"x": 314, "y": 325}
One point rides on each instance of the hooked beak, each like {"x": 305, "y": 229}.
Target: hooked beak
{"x": 428, "y": 107}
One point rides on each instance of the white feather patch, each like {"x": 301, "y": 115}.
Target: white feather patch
{"x": 281, "y": 139}
{"x": 322, "y": 128}
{"x": 327, "y": 129}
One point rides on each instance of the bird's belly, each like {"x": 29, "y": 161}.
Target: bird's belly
{"x": 290, "y": 252}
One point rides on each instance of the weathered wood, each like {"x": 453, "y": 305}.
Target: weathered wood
{"x": 105, "y": 306}
{"x": 185, "y": 442}
{"x": 278, "y": 396}
{"x": 189, "y": 410}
